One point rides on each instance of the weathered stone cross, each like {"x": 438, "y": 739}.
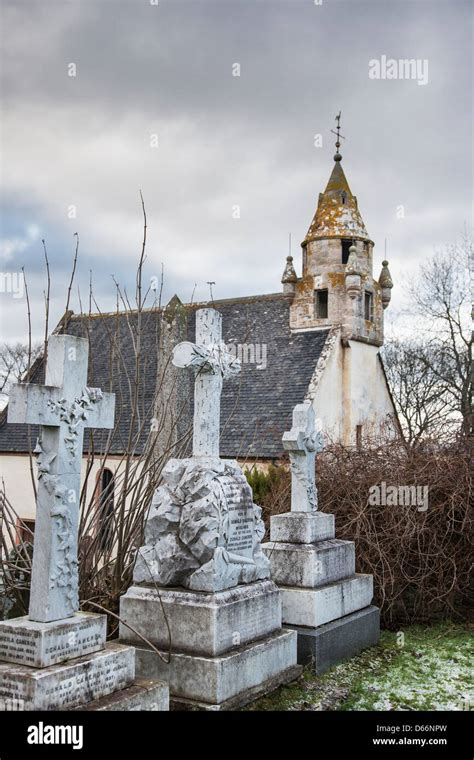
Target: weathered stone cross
{"x": 303, "y": 442}
{"x": 213, "y": 363}
{"x": 63, "y": 407}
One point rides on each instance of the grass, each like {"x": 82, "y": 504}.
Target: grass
{"x": 418, "y": 668}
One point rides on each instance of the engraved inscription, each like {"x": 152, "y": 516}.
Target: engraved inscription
{"x": 69, "y": 686}
{"x": 241, "y": 520}
{"x": 43, "y": 648}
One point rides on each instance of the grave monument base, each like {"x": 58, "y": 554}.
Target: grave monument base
{"x": 243, "y": 698}
{"x": 67, "y": 664}
{"x": 200, "y": 623}
{"x": 27, "y": 642}
{"x": 233, "y": 678}
{"x": 144, "y": 695}
{"x": 334, "y": 642}
{"x": 224, "y": 645}
{"x": 324, "y": 600}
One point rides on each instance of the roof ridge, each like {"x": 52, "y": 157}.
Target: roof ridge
{"x": 195, "y": 305}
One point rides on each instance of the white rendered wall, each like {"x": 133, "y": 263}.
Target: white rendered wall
{"x": 353, "y": 391}
{"x": 15, "y": 473}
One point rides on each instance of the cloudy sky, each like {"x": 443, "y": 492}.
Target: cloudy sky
{"x": 155, "y": 106}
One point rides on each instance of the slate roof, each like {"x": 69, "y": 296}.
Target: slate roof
{"x": 256, "y": 406}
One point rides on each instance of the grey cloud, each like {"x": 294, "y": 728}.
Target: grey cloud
{"x": 226, "y": 140}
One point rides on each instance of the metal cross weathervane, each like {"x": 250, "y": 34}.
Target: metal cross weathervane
{"x": 338, "y": 135}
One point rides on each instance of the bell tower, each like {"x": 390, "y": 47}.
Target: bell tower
{"x": 337, "y": 287}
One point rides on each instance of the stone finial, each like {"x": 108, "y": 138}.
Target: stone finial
{"x": 174, "y": 310}
{"x": 289, "y": 277}
{"x": 386, "y": 283}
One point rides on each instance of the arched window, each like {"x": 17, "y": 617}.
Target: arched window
{"x": 345, "y": 245}
{"x": 106, "y": 507}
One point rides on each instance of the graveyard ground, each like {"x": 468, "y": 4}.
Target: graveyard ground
{"x": 430, "y": 670}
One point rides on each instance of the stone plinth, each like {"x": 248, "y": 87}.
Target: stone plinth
{"x": 334, "y": 642}
{"x": 200, "y": 623}
{"x": 214, "y": 681}
{"x": 144, "y": 695}
{"x": 310, "y": 565}
{"x": 39, "y": 645}
{"x": 225, "y": 646}
{"x": 71, "y": 684}
{"x": 323, "y": 600}
{"x": 313, "y": 607}
{"x": 301, "y": 527}
{"x": 67, "y": 664}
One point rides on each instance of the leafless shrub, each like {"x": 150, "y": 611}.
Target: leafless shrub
{"x": 111, "y": 522}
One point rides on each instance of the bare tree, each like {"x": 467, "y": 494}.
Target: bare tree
{"x": 14, "y": 360}
{"x": 424, "y": 403}
{"x": 431, "y": 375}
{"x": 441, "y": 297}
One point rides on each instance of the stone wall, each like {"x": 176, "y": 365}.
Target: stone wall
{"x": 323, "y": 268}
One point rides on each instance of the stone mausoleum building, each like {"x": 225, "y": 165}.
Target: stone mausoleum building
{"x": 318, "y": 339}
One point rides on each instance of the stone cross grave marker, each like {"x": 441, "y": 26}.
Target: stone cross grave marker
{"x": 303, "y": 442}
{"x": 213, "y": 362}
{"x": 63, "y": 407}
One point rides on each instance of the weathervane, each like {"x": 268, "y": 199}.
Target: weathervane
{"x": 338, "y": 156}
{"x": 211, "y": 283}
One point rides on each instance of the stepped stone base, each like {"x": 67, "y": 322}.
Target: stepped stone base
{"x": 40, "y": 645}
{"x": 143, "y": 695}
{"x": 200, "y": 623}
{"x": 313, "y": 607}
{"x": 301, "y": 527}
{"x": 310, "y": 565}
{"x": 242, "y": 699}
{"x": 217, "y": 681}
{"x": 329, "y": 644}
{"x": 68, "y": 685}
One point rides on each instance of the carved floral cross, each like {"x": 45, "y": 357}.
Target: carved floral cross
{"x": 303, "y": 442}
{"x": 213, "y": 362}
{"x": 62, "y": 407}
